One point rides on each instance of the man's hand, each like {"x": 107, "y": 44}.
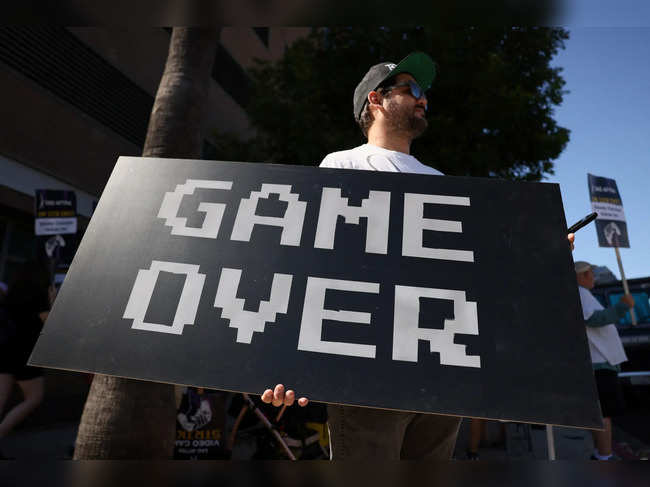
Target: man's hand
{"x": 629, "y": 300}
{"x": 278, "y": 397}
{"x": 572, "y": 239}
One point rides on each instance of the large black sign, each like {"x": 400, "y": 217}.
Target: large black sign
{"x": 426, "y": 293}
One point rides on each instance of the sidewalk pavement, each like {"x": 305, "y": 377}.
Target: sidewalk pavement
{"x": 529, "y": 442}
{"x": 54, "y": 442}
{"x": 524, "y": 442}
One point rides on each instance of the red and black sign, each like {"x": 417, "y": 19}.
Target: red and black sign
{"x": 424, "y": 293}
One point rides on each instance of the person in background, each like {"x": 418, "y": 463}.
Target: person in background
{"x": 25, "y": 309}
{"x": 478, "y": 434}
{"x": 606, "y": 354}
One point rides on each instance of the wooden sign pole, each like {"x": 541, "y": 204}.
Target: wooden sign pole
{"x": 626, "y": 289}
{"x": 550, "y": 442}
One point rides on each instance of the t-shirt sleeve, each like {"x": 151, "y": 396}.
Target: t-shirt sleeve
{"x": 334, "y": 161}
{"x": 589, "y": 303}
{"x": 327, "y": 162}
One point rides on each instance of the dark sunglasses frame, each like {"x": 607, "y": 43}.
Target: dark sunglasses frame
{"x": 416, "y": 90}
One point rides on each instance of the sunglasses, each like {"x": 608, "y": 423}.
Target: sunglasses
{"x": 415, "y": 88}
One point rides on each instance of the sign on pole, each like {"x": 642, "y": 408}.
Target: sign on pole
{"x": 55, "y": 226}
{"x": 411, "y": 292}
{"x": 610, "y": 223}
{"x": 606, "y": 201}
{"x": 200, "y": 425}
{"x": 56, "y": 212}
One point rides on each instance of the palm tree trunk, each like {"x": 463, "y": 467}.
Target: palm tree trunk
{"x": 125, "y": 418}
{"x": 178, "y": 111}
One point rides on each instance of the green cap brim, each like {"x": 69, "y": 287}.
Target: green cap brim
{"x": 420, "y": 66}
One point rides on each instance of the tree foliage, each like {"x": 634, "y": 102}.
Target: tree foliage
{"x": 490, "y": 107}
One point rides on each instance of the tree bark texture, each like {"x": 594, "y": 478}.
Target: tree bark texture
{"x": 178, "y": 110}
{"x": 125, "y": 418}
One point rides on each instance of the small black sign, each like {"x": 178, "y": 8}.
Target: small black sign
{"x": 402, "y": 291}
{"x": 55, "y": 226}
{"x": 606, "y": 201}
{"x": 55, "y": 211}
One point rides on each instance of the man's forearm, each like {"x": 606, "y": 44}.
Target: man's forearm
{"x": 606, "y": 316}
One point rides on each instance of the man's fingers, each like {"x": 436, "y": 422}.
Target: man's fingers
{"x": 289, "y": 397}
{"x": 267, "y": 396}
{"x": 572, "y": 239}
{"x": 278, "y": 395}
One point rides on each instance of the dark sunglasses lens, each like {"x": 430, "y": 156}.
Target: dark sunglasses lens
{"x": 416, "y": 91}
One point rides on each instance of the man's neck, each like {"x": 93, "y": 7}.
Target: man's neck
{"x": 393, "y": 142}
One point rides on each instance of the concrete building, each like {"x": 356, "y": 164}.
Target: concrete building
{"x": 74, "y": 99}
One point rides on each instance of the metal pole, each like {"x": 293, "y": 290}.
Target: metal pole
{"x": 550, "y": 442}
{"x": 639, "y": 373}
{"x": 626, "y": 289}
{"x": 268, "y": 425}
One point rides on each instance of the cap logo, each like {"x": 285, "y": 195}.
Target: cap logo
{"x": 390, "y": 66}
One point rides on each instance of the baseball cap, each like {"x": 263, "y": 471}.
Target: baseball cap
{"x": 417, "y": 64}
{"x": 582, "y": 266}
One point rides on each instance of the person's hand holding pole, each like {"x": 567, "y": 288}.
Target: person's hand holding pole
{"x": 626, "y": 288}
{"x": 629, "y": 300}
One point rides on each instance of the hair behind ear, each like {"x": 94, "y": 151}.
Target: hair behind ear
{"x": 365, "y": 120}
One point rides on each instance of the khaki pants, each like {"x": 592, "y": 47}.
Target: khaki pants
{"x": 374, "y": 434}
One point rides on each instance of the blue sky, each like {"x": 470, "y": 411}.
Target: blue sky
{"x": 607, "y": 71}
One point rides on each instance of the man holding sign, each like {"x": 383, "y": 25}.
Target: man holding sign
{"x": 606, "y": 353}
{"x": 390, "y": 107}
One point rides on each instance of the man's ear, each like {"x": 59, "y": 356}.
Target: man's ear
{"x": 374, "y": 98}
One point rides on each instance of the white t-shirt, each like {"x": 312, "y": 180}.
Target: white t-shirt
{"x": 373, "y": 158}
{"x": 604, "y": 343}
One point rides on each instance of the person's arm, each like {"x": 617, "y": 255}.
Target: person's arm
{"x": 46, "y": 303}
{"x": 606, "y": 316}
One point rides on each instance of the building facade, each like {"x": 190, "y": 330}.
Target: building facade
{"x": 75, "y": 99}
